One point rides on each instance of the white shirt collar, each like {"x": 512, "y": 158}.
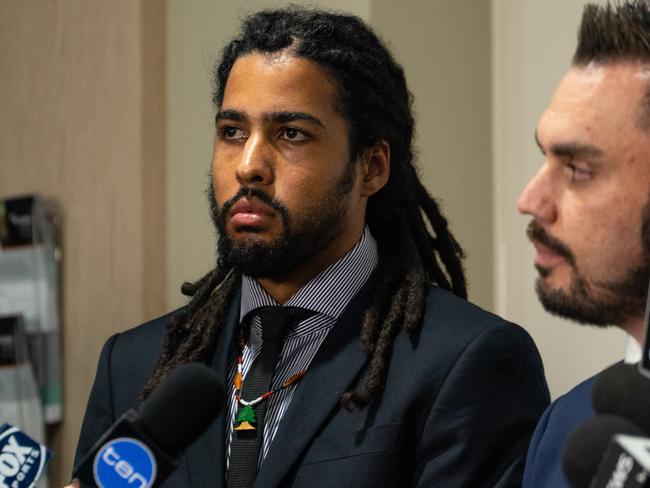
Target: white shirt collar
{"x": 632, "y": 351}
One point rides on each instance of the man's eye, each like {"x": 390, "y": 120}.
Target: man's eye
{"x": 576, "y": 173}
{"x": 230, "y": 132}
{"x": 294, "y": 135}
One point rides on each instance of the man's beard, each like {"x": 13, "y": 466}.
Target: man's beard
{"x": 615, "y": 303}
{"x": 299, "y": 241}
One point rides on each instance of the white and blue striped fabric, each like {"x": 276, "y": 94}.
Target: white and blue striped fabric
{"x": 327, "y": 294}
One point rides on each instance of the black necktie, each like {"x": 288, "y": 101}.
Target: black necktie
{"x": 245, "y": 445}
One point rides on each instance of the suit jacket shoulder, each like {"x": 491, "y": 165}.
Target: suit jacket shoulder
{"x": 126, "y": 362}
{"x": 561, "y": 418}
{"x": 486, "y": 392}
{"x": 460, "y": 402}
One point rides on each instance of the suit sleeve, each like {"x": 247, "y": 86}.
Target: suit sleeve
{"x": 479, "y": 426}
{"x": 100, "y": 413}
{"x": 531, "y": 458}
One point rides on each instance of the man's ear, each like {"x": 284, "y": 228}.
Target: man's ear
{"x": 374, "y": 168}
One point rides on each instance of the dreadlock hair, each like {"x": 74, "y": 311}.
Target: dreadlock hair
{"x": 614, "y": 33}
{"x": 415, "y": 245}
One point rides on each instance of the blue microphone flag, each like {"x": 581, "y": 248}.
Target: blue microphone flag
{"x": 22, "y": 459}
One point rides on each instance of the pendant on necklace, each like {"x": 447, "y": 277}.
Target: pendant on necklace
{"x": 246, "y": 419}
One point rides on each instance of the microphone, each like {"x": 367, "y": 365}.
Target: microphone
{"x": 621, "y": 397}
{"x": 22, "y": 459}
{"x": 142, "y": 448}
{"x": 583, "y": 452}
{"x": 625, "y": 464}
{"x": 622, "y": 390}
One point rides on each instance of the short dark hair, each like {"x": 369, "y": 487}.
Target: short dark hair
{"x": 614, "y": 33}
{"x": 610, "y": 33}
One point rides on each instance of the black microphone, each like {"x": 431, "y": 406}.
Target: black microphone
{"x": 142, "y": 448}
{"x": 625, "y": 464}
{"x": 621, "y": 390}
{"x": 583, "y": 452}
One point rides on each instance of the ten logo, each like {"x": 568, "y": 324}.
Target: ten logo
{"x": 124, "y": 462}
{"x": 22, "y": 460}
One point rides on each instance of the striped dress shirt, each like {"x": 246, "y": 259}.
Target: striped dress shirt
{"x": 327, "y": 294}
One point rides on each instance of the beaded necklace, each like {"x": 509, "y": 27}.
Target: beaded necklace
{"x": 246, "y": 418}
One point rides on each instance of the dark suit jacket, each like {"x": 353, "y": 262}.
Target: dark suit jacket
{"x": 460, "y": 402}
{"x": 562, "y": 417}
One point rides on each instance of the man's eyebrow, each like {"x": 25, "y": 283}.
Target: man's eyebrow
{"x": 277, "y": 117}
{"x": 284, "y": 117}
{"x": 571, "y": 149}
{"x": 229, "y": 114}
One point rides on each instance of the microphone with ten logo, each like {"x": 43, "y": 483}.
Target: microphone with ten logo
{"x": 142, "y": 448}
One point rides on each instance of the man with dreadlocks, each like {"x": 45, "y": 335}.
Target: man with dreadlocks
{"x": 590, "y": 204}
{"x": 380, "y": 372}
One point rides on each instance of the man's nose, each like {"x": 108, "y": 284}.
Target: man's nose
{"x": 255, "y": 165}
{"x": 537, "y": 198}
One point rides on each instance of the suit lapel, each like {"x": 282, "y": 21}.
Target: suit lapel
{"x": 205, "y": 458}
{"x": 335, "y": 366}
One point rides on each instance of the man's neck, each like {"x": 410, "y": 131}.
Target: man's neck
{"x": 635, "y": 328}
{"x": 282, "y": 288}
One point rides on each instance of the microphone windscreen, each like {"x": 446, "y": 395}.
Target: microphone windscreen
{"x": 182, "y": 407}
{"x": 621, "y": 390}
{"x": 585, "y": 448}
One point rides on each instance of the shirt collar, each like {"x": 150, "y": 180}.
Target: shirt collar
{"x": 327, "y": 293}
{"x": 632, "y": 351}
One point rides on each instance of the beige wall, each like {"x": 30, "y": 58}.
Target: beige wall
{"x": 82, "y": 121}
{"x": 445, "y": 49}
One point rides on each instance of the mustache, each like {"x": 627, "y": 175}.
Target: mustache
{"x": 536, "y": 232}
{"x": 248, "y": 193}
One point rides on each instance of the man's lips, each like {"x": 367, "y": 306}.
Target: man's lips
{"x": 550, "y": 250}
{"x": 250, "y": 213}
{"x": 546, "y": 256}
